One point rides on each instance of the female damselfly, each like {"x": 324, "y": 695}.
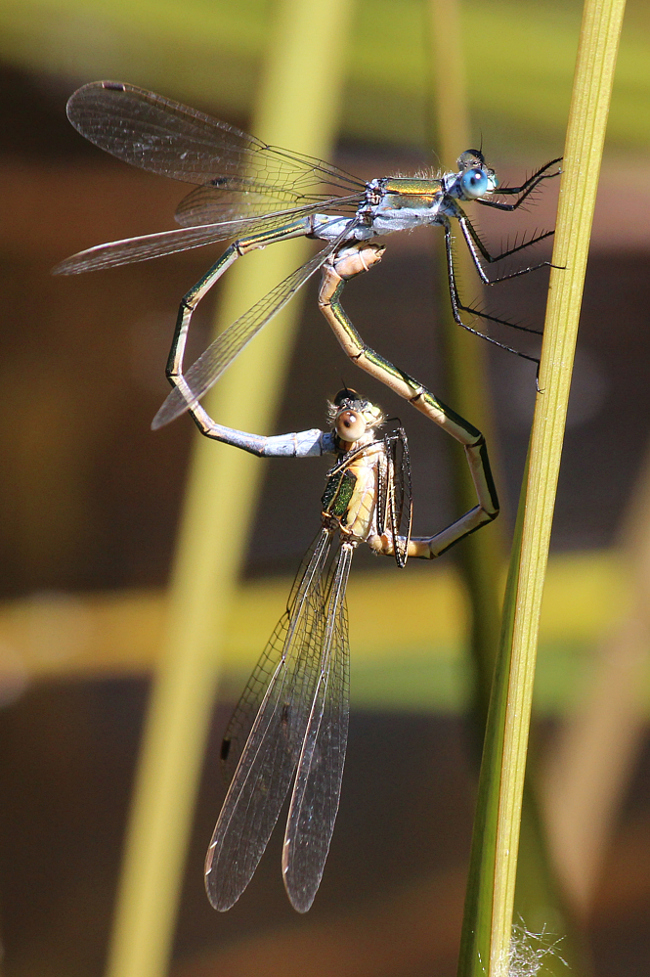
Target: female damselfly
{"x": 291, "y": 722}
{"x": 258, "y": 195}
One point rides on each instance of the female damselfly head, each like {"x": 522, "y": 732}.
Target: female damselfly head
{"x": 351, "y": 416}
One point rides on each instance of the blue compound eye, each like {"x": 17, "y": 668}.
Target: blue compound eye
{"x": 474, "y": 183}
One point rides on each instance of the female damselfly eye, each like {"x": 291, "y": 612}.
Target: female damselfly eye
{"x": 351, "y": 425}
{"x": 474, "y": 183}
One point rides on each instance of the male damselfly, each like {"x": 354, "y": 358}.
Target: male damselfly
{"x": 258, "y": 195}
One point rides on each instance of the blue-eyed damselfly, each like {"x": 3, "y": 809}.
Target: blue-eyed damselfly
{"x": 257, "y": 195}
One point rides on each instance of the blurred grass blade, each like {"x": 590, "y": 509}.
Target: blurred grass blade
{"x": 489, "y": 906}
{"x": 594, "y": 755}
{"x": 481, "y": 556}
{"x": 298, "y": 107}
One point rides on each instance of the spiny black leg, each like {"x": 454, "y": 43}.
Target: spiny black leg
{"x": 525, "y": 189}
{"x": 534, "y": 178}
{"x": 469, "y": 231}
{"x": 457, "y": 307}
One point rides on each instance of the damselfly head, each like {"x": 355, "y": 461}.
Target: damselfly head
{"x": 476, "y": 179}
{"x": 351, "y": 416}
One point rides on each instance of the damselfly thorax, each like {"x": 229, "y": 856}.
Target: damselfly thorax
{"x": 352, "y": 490}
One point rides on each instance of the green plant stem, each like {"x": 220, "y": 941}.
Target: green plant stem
{"x": 489, "y": 907}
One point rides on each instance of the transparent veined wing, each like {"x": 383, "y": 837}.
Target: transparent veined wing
{"x": 165, "y": 137}
{"x": 394, "y": 496}
{"x": 270, "y": 754}
{"x": 245, "y": 199}
{"x": 212, "y": 363}
{"x": 401, "y": 507}
{"x": 317, "y": 789}
{"x": 244, "y": 713}
{"x": 147, "y": 246}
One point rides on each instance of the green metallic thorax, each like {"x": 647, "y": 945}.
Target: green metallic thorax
{"x": 410, "y": 192}
{"x": 338, "y": 494}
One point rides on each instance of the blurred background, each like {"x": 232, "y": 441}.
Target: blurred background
{"x": 90, "y": 499}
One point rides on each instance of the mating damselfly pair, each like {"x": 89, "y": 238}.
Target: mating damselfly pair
{"x": 292, "y": 720}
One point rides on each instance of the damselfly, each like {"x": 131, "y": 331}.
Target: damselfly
{"x": 258, "y": 195}
{"x": 291, "y": 722}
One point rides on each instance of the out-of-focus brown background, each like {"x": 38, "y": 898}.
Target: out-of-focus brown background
{"x": 90, "y": 497}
